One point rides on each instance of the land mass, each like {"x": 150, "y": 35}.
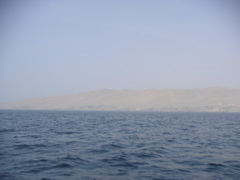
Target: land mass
{"x": 213, "y": 99}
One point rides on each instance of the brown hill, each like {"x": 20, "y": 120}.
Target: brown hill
{"x": 207, "y": 99}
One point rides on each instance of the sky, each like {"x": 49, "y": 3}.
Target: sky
{"x": 57, "y": 47}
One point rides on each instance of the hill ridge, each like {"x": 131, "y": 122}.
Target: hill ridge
{"x": 212, "y": 99}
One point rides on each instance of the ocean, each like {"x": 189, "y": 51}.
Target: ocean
{"x": 88, "y": 145}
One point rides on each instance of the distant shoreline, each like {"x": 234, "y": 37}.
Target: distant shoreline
{"x": 214, "y": 99}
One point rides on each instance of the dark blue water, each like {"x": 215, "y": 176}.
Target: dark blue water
{"x": 119, "y": 145}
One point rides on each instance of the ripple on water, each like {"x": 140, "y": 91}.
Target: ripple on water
{"x": 119, "y": 145}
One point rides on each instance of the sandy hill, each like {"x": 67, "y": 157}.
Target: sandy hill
{"x": 207, "y": 99}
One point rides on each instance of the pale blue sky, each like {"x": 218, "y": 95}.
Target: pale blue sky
{"x": 55, "y": 47}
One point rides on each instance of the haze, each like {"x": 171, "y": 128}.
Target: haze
{"x": 57, "y": 47}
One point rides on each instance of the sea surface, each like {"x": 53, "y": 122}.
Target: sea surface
{"x": 119, "y": 145}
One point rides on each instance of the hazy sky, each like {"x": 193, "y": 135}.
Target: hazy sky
{"x": 55, "y": 47}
